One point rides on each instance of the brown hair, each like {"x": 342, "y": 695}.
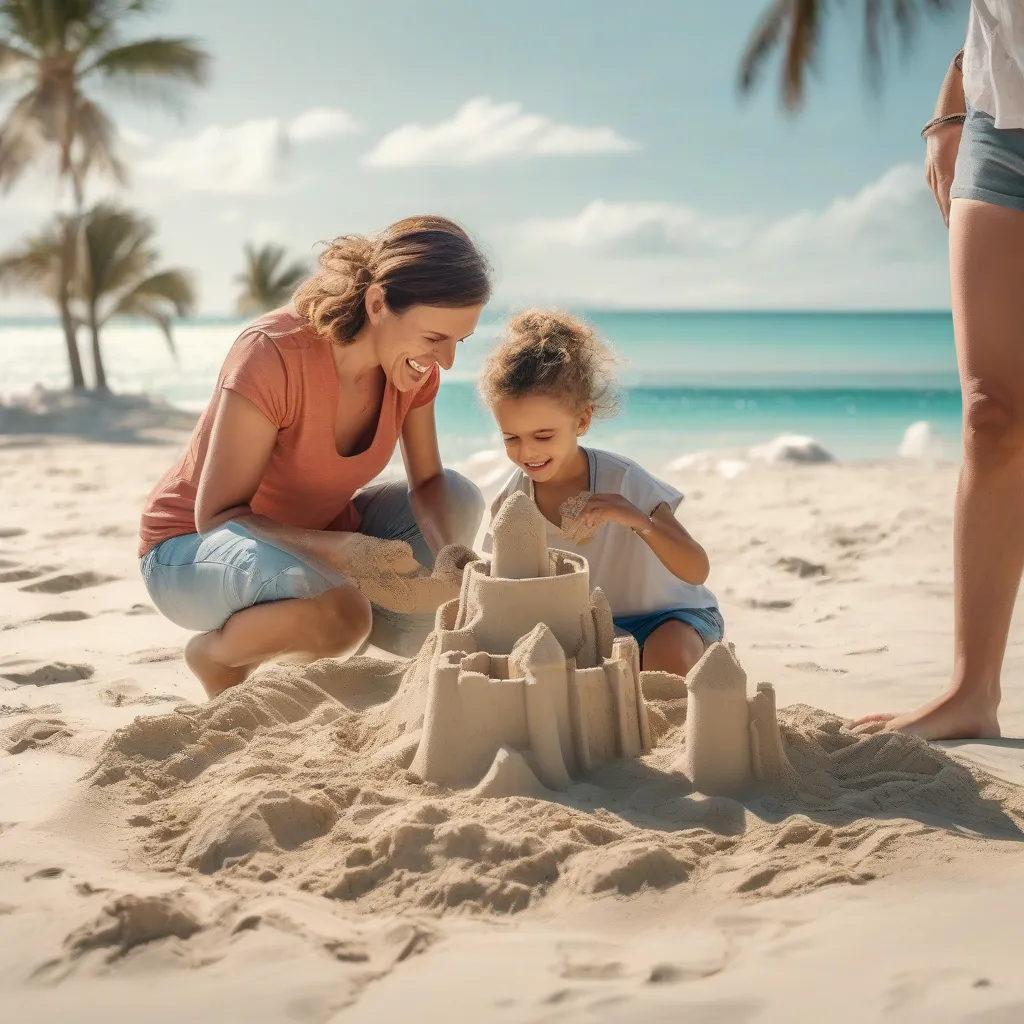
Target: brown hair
{"x": 419, "y": 261}
{"x": 551, "y": 353}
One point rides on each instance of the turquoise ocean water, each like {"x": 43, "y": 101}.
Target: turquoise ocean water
{"x": 692, "y": 381}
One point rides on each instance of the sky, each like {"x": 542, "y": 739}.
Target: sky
{"x": 599, "y": 151}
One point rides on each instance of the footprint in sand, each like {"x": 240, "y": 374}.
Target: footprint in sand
{"x": 27, "y": 573}
{"x": 152, "y": 655}
{"x": 813, "y": 666}
{"x": 141, "y": 609}
{"x": 71, "y": 615}
{"x": 68, "y": 582}
{"x": 11, "y": 531}
{"x": 122, "y": 694}
{"x": 800, "y": 567}
{"x": 47, "y": 675}
{"x": 33, "y": 733}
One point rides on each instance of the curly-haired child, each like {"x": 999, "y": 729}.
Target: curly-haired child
{"x": 549, "y": 375}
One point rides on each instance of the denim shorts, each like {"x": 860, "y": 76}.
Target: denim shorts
{"x": 199, "y": 581}
{"x": 707, "y": 621}
{"x": 990, "y": 163}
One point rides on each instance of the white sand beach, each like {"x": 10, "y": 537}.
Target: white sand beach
{"x": 263, "y": 858}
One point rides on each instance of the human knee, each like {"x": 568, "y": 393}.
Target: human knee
{"x": 993, "y": 424}
{"x": 342, "y": 618}
{"x": 468, "y": 499}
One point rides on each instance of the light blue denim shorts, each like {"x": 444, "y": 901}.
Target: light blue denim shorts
{"x": 708, "y": 622}
{"x": 199, "y": 581}
{"x": 989, "y": 163}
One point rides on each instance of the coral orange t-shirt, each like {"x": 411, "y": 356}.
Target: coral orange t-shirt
{"x": 281, "y": 365}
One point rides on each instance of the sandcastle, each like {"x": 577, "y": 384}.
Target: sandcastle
{"x": 527, "y": 688}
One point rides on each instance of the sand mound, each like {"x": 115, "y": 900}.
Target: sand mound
{"x": 301, "y": 776}
{"x": 522, "y": 755}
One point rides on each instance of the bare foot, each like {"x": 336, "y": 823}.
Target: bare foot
{"x": 215, "y": 677}
{"x": 953, "y": 716}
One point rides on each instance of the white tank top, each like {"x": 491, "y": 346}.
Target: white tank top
{"x": 994, "y": 60}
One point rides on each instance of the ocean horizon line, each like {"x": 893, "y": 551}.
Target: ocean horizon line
{"x": 210, "y": 319}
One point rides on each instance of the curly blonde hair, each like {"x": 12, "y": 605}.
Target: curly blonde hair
{"x": 419, "y": 261}
{"x": 552, "y": 353}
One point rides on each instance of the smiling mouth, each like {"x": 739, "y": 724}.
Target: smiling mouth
{"x": 417, "y": 367}
{"x": 536, "y": 465}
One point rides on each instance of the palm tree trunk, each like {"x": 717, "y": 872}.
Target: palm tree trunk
{"x": 67, "y": 259}
{"x": 97, "y": 354}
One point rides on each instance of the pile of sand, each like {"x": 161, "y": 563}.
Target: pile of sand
{"x": 300, "y": 775}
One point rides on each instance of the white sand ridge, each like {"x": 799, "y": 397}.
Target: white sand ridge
{"x": 344, "y": 778}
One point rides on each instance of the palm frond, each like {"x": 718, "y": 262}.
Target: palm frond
{"x": 96, "y": 143}
{"x": 265, "y": 283}
{"x": 155, "y": 298}
{"x": 795, "y": 27}
{"x": 25, "y": 137}
{"x": 34, "y": 265}
{"x": 764, "y": 39}
{"x": 178, "y": 59}
{"x": 117, "y": 252}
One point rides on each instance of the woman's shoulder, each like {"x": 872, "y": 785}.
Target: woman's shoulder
{"x": 284, "y": 327}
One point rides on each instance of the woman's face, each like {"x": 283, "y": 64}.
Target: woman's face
{"x": 408, "y": 344}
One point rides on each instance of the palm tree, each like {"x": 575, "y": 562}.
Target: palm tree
{"x": 115, "y": 276}
{"x": 795, "y": 25}
{"x": 118, "y": 277}
{"x": 52, "y": 52}
{"x": 266, "y": 284}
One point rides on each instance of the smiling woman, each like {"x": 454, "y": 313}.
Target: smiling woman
{"x": 253, "y": 536}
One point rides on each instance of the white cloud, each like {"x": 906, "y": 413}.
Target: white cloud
{"x": 892, "y": 218}
{"x": 637, "y": 229}
{"x": 244, "y": 159}
{"x": 482, "y": 131}
{"x": 321, "y": 123}
{"x": 883, "y": 246}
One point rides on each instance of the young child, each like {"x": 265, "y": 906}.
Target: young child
{"x": 549, "y": 375}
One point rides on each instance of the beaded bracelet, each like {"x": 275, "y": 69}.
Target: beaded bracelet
{"x": 945, "y": 119}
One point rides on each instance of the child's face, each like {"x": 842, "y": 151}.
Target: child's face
{"x": 541, "y": 434}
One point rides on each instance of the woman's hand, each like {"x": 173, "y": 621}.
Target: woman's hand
{"x": 940, "y": 163}
{"x": 388, "y": 575}
{"x": 944, "y": 139}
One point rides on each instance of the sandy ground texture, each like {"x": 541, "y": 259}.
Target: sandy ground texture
{"x": 267, "y": 857}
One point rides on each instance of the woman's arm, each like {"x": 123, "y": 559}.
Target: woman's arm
{"x": 241, "y": 444}
{"x": 428, "y": 489}
{"x": 944, "y": 139}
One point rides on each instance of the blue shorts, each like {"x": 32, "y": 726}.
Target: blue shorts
{"x": 989, "y": 163}
{"x": 199, "y": 581}
{"x": 707, "y": 621}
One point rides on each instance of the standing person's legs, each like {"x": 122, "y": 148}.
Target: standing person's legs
{"x": 387, "y": 514}
{"x": 987, "y": 272}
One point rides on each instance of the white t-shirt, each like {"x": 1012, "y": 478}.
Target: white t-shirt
{"x": 621, "y": 564}
{"x": 994, "y": 60}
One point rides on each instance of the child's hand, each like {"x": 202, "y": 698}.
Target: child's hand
{"x": 611, "y": 508}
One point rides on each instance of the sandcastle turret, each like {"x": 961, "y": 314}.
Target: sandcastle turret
{"x": 527, "y": 687}
{"x": 732, "y": 740}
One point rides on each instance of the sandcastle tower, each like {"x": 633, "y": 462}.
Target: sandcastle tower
{"x": 732, "y": 740}
{"x": 527, "y": 687}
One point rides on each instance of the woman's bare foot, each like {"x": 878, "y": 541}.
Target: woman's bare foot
{"x": 953, "y": 716}
{"x": 215, "y": 677}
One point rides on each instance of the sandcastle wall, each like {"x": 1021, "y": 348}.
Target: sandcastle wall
{"x": 527, "y": 688}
